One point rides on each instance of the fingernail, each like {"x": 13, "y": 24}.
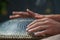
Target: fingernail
{"x": 35, "y": 33}
{"x": 13, "y": 12}
{"x": 26, "y": 29}
{"x": 29, "y": 30}
{"x": 27, "y": 9}
{"x": 10, "y": 16}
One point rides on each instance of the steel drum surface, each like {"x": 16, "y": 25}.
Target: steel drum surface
{"x": 15, "y": 26}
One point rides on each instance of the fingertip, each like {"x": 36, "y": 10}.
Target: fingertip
{"x": 10, "y": 16}
{"x": 27, "y": 9}
{"x": 35, "y": 33}
{"x": 27, "y": 25}
{"x": 14, "y": 16}
{"x": 13, "y": 12}
{"x": 39, "y": 34}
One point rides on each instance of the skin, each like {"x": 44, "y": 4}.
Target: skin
{"x": 34, "y": 15}
{"x": 43, "y": 25}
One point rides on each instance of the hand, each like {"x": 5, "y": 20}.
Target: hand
{"x": 26, "y": 14}
{"x": 44, "y": 26}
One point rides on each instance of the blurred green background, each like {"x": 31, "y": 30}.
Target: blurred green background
{"x": 3, "y": 10}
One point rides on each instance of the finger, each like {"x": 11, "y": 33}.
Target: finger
{"x": 15, "y": 16}
{"x": 38, "y": 20}
{"x": 44, "y": 24}
{"x": 20, "y": 13}
{"x": 35, "y": 15}
{"x": 30, "y": 12}
{"x": 41, "y": 33}
{"x": 39, "y": 28}
{"x": 39, "y": 16}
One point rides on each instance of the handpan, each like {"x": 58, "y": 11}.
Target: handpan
{"x": 15, "y": 28}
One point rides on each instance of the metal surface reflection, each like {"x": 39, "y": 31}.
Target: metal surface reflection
{"x": 15, "y": 27}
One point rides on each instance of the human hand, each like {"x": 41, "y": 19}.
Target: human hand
{"x": 26, "y": 14}
{"x": 44, "y": 26}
